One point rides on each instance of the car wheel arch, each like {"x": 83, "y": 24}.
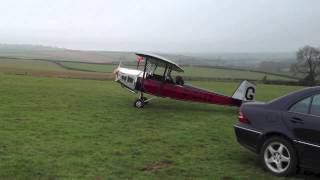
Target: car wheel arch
{"x": 268, "y": 135}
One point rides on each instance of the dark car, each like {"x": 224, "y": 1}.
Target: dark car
{"x": 284, "y": 132}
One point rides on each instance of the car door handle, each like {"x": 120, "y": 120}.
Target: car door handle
{"x": 297, "y": 120}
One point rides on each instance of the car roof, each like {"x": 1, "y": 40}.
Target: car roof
{"x": 160, "y": 61}
{"x": 287, "y": 100}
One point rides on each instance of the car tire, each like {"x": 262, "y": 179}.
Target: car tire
{"x": 138, "y": 103}
{"x": 278, "y": 156}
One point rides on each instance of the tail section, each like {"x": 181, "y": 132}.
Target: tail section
{"x": 245, "y": 92}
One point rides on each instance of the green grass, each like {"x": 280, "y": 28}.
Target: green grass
{"x": 54, "y": 128}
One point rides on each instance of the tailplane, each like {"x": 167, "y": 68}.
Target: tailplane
{"x": 245, "y": 92}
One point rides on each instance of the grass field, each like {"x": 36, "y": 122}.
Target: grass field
{"x": 54, "y": 128}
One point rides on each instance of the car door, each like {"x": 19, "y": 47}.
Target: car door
{"x": 303, "y": 119}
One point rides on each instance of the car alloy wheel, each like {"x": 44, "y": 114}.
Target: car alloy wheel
{"x": 277, "y": 157}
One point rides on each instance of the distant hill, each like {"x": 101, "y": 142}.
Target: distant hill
{"x": 54, "y": 53}
{"x": 213, "y": 59}
{"x": 244, "y": 59}
{"x": 26, "y": 47}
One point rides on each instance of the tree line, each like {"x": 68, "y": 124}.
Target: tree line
{"x": 308, "y": 65}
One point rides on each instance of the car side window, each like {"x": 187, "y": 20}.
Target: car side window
{"x": 315, "y": 107}
{"x": 301, "y": 106}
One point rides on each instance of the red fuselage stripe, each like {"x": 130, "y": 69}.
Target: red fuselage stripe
{"x": 187, "y": 93}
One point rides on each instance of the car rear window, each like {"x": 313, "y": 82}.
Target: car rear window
{"x": 301, "y": 106}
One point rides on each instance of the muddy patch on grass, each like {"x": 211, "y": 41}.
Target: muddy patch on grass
{"x": 158, "y": 165}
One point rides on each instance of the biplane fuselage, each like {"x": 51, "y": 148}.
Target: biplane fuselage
{"x": 164, "y": 86}
{"x": 187, "y": 93}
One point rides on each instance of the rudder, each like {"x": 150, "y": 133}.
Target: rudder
{"x": 245, "y": 92}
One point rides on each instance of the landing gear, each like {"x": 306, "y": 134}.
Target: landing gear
{"x": 145, "y": 100}
{"x": 139, "y": 103}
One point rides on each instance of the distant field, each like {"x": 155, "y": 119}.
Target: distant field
{"x": 229, "y": 73}
{"x": 89, "y": 67}
{"x": 215, "y": 59}
{"x": 189, "y": 71}
{"x": 29, "y": 65}
{"x": 45, "y": 68}
{"x": 59, "y": 54}
{"x": 54, "y": 128}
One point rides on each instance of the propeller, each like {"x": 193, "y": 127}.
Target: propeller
{"x": 115, "y": 71}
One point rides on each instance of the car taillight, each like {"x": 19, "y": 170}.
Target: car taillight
{"x": 243, "y": 118}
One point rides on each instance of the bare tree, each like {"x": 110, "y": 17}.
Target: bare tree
{"x": 308, "y": 64}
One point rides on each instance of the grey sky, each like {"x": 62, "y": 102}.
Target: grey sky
{"x": 163, "y": 25}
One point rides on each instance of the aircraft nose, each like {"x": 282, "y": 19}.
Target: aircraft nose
{"x": 116, "y": 72}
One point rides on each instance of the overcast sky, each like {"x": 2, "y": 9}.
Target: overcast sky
{"x": 163, "y": 25}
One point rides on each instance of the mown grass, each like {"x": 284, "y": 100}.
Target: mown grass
{"x": 83, "y": 129}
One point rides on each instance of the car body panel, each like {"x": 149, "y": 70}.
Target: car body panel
{"x": 306, "y": 133}
{"x": 247, "y": 136}
{"x": 275, "y": 118}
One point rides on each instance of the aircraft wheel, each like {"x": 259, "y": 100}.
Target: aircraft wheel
{"x": 139, "y": 103}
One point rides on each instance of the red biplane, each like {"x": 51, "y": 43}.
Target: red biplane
{"x": 149, "y": 81}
